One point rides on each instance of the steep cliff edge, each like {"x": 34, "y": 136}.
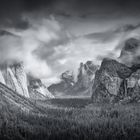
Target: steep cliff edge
{"x": 119, "y": 81}
{"x": 15, "y": 78}
{"x": 108, "y": 80}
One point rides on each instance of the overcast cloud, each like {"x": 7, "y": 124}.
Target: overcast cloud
{"x": 51, "y": 36}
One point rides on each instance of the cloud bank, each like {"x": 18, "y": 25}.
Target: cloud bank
{"x": 53, "y": 36}
{"x": 19, "y": 45}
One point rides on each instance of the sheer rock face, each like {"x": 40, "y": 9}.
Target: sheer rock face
{"x": 115, "y": 79}
{"x": 38, "y": 90}
{"x": 85, "y": 78}
{"x": 130, "y": 55}
{"x": 21, "y": 77}
{"x": 15, "y": 78}
{"x": 133, "y": 86}
{"x": 134, "y": 79}
{"x": 86, "y": 74}
{"x": 108, "y": 80}
{"x": 2, "y": 80}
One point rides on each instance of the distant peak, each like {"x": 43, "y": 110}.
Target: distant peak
{"x": 131, "y": 44}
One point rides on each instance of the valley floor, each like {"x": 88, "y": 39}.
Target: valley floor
{"x": 72, "y": 119}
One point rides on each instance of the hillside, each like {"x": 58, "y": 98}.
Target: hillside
{"x": 73, "y": 119}
{"x": 12, "y": 100}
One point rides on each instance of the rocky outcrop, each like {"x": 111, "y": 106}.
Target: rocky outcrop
{"x": 133, "y": 86}
{"x": 83, "y": 84}
{"x": 111, "y": 81}
{"x": 86, "y": 74}
{"x": 19, "y": 73}
{"x": 131, "y": 57}
{"x": 68, "y": 78}
{"x": 85, "y": 78}
{"x": 119, "y": 81}
{"x": 15, "y": 78}
{"x": 38, "y": 90}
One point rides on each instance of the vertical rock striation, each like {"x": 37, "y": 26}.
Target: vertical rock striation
{"x": 15, "y": 78}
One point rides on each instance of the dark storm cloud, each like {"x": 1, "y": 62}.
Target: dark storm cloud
{"x": 11, "y": 11}
{"x": 128, "y": 27}
{"x": 111, "y": 34}
{"x": 84, "y": 8}
{"x": 53, "y": 31}
{"x": 100, "y": 8}
{"x": 47, "y": 51}
{"x": 37, "y": 4}
{"x": 64, "y": 14}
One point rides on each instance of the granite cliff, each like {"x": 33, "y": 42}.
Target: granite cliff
{"x": 119, "y": 81}
{"x": 15, "y": 77}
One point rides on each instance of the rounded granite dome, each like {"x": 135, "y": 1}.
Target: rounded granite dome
{"x": 130, "y": 53}
{"x": 131, "y": 46}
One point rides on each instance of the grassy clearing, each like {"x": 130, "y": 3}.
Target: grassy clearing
{"x": 74, "y": 119}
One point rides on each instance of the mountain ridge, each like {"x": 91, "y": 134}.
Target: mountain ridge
{"x": 18, "y": 101}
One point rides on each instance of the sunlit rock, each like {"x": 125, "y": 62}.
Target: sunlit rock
{"x": 38, "y": 90}
{"x": 15, "y": 78}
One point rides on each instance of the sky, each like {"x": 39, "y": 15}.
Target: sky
{"x": 52, "y": 36}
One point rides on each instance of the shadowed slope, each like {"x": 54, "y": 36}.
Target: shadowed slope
{"x": 17, "y": 101}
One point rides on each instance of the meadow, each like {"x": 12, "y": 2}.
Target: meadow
{"x": 72, "y": 119}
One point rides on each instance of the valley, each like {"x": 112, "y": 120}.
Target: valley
{"x": 74, "y": 119}
{"x": 98, "y": 102}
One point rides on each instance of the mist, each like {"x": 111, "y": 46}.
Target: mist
{"x": 50, "y": 37}
{"x": 19, "y": 45}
